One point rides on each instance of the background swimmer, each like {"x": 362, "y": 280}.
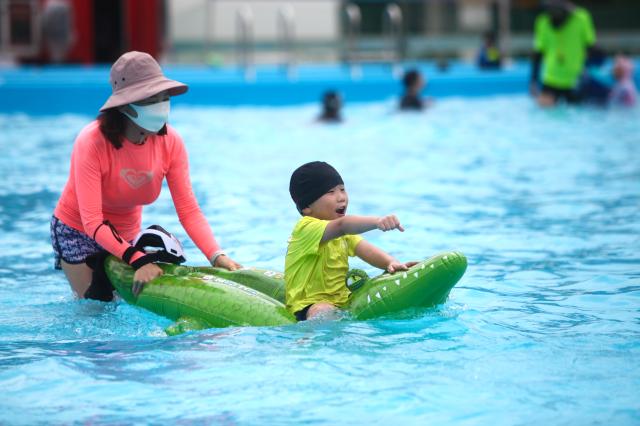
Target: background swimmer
{"x": 413, "y": 83}
{"x": 331, "y": 107}
{"x": 624, "y": 91}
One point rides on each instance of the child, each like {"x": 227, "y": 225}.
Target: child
{"x": 317, "y": 263}
{"x": 413, "y": 83}
{"x": 624, "y": 92}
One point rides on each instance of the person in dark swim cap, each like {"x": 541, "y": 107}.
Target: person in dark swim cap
{"x": 331, "y": 107}
{"x": 413, "y": 83}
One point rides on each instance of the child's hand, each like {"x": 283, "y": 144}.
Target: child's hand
{"x": 388, "y": 223}
{"x": 395, "y": 266}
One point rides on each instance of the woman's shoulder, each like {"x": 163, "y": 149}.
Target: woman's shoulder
{"x": 172, "y": 138}
{"x": 172, "y": 133}
{"x": 90, "y": 135}
{"x": 91, "y": 128}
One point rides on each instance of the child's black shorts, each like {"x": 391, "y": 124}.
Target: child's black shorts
{"x": 301, "y": 315}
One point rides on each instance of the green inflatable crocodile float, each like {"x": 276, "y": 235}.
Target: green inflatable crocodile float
{"x": 205, "y": 297}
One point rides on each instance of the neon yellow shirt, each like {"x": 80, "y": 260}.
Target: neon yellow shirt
{"x": 313, "y": 271}
{"x": 564, "y": 49}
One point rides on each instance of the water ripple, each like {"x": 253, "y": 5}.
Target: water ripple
{"x": 543, "y": 203}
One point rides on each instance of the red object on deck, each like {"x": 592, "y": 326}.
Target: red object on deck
{"x": 82, "y": 50}
{"x": 143, "y": 27}
{"x": 144, "y": 24}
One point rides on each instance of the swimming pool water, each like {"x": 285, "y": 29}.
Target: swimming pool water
{"x": 543, "y": 328}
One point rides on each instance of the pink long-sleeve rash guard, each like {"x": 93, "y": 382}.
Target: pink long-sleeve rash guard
{"x": 112, "y": 184}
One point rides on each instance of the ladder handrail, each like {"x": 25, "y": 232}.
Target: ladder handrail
{"x": 354, "y": 22}
{"x": 392, "y": 23}
{"x": 395, "y": 39}
{"x": 286, "y": 32}
{"x": 504, "y": 26}
{"x": 244, "y": 33}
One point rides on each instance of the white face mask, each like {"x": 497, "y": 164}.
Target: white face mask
{"x": 150, "y": 117}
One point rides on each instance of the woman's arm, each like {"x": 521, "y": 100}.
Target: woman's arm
{"x": 189, "y": 213}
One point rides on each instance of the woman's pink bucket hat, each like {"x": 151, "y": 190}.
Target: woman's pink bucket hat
{"x": 136, "y": 76}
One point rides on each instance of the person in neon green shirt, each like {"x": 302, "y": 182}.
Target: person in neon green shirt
{"x": 564, "y": 36}
{"x": 322, "y": 241}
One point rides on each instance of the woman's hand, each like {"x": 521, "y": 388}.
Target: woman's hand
{"x": 224, "y": 261}
{"x": 395, "y": 266}
{"x": 143, "y": 276}
{"x": 388, "y": 223}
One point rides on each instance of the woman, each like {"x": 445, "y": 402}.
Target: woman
{"x": 118, "y": 164}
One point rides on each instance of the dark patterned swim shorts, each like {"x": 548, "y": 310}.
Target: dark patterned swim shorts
{"x": 71, "y": 245}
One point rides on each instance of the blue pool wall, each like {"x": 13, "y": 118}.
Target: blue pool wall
{"x": 83, "y": 89}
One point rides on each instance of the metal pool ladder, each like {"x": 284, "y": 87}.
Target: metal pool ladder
{"x": 392, "y": 24}
{"x": 244, "y": 34}
{"x": 392, "y": 20}
{"x": 286, "y": 33}
{"x": 353, "y": 24}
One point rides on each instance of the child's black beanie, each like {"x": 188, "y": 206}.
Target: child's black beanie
{"x": 311, "y": 181}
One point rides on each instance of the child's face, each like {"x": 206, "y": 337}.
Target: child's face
{"x": 330, "y": 206}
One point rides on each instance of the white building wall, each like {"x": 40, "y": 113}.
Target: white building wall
{"x": 474, "y": 15}
{"x": 188, "y": 20}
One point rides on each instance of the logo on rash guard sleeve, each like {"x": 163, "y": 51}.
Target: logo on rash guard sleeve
{"x": 136, "y": 178}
